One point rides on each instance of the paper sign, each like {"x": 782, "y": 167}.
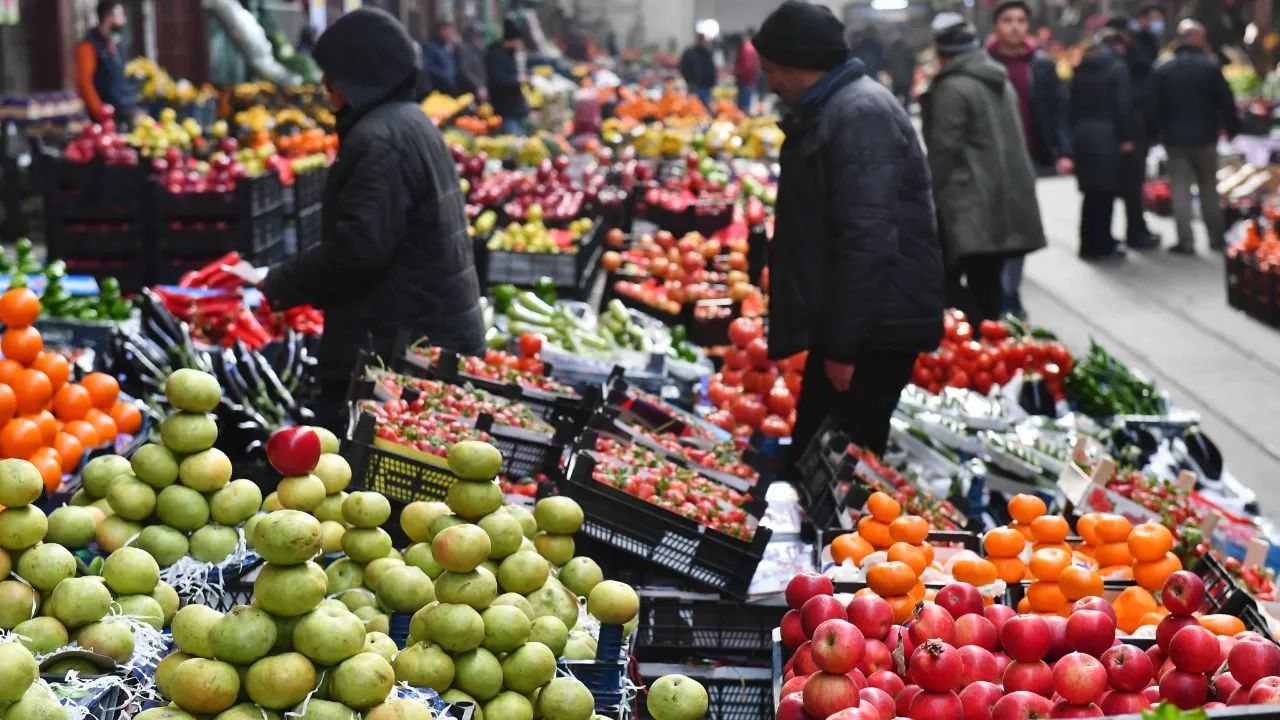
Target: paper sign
{"x": 246, "y": 271}
{"x": 1256, "y": 553}
{"x": 1104, "y": 472}
{"x": 1187, "y": 480}
{"x": 1210, "y": 522}
{"x": 1074, "y": 484}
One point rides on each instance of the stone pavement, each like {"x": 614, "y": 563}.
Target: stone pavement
{"x": 1167, "y": 315}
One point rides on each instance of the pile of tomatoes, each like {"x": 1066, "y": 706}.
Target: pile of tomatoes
{"x": 411, "y": 425}
{"x": 753, "y": 392}
{"x": 989, "y": 356}
{"x": 525, "y": 370}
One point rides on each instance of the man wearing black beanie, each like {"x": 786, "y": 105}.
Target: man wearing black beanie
{"x": 855, "y": 268}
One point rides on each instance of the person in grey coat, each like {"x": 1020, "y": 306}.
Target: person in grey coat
{"x": 983, "y": 181}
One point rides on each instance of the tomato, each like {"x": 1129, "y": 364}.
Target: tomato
{"x": 959, "y": 379}
{"x": 742, "y": 331}
{"x": 735, "y": 358}
{"x": 963, "y": 332}
{"x": 731, "y": 377}
{"x": 748, "y": 410}
{"x": 982, "y": 381}
{"x": 993, "y": 330}
{"x": 774, "y": 426}
{"x": 922, "y": 376}
{"x": 1000, "y": 373}
{"x": 759, "y": 381}
{"x": 1058, "y": 354}
{"x": 721, "y": 419}
{"x": 530, "y": 344}
{"x": 985, "y": 360}
{"x": 780, "y": 400}
{"x": 717, "y": 393}
{"x": 758, "y": 353}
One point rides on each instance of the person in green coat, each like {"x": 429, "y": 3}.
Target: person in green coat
{"x": 983, "y": 182}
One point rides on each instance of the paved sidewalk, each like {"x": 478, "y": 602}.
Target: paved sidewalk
{"x": 1167, "y": 315}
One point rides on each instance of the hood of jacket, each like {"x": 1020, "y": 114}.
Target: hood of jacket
{"x": 369, "y": 58}
{"x": 829, "y": 84}
{"x": 979, "y": 65}
{"x": 1098, "y": 57}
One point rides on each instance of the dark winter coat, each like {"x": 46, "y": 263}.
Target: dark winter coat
{"x": 698, "y": 67}
{"x": 442, "y": 69}
{"x": 855, "y": 257}
{"x": 394, "y": 253}
{"x": 1190, "y": 101}
{"x": 471, "y": 74}
{"x": 1049, "y": 135}
{"x": 1101, "y": 116}
{"x": 505, "y": 94}
{"x": 982, "y": 176}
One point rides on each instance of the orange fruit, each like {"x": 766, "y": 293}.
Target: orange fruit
{"x": 72, "y": 402}
{"x": 1086, "y": 528}
{"x": 1025, "y": 508}
{"x": 911, "y": 529}
{"x": 1149, "y": 541}
{"x": 10, "y": 370}
{"x": 1130, "y": 606}
{"x": 1045, "y": 596}
{"x": 1003, "y": 542}
{"x": 103, "y": 423}
{"x": 909, "y": 554}
{"x": 102, "y": 388}
{"x": 1053, "y": 546}
{"x": 19, "y": 438}
{"x": 883, "y": 507}
{"x": 891, "y": 578}
{"x": 1078, "y": 582}
{"x": 903, "y": 606}
{"x": 1117, "y": 572}
{"x": 864, "y": 592}
{"x": 1024, "y": 606}
{"x": 1010, "y": 569}
{"x": 1024, "y": 530}
{"x": 22, "y": 344}
{"x": 54, "y": 366}
{"x": 1047, "y": 565}
{"x": 70, "y": 449}
{"x": 127, "y": 416}
{"x": 875, "y": 532}
{"x": 1219, "y": 624}
{"x": 918, "y": 591}
{"x": 1113, "y": 528}
{"x": 1113, "y": 553}
{"x": 32, "y": 392}
{"x": 8, "y": 404}
{"x": 1151, "y": 618}
{"x": 49, "y": 463}
{"x": 1151, "y": 575}
{"x": 849, "y": 546}
{"x": 1050, "y": 529}
{"x": 85, "y": 432}
{"x": 975, "y": 571}
{"x": 19, "y": 307}
{"x": 928, "y": 551}
{"x": 48, "y": 425}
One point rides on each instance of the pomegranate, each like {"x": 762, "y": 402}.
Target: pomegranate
{"x": 930, "y": 621}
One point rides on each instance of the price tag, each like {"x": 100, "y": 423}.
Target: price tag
{"x": 1210, "y": 522}
{"x": 1104, "y": 472}
{"x": 1256, "y": 553}
{"x": 1074, "y": 484}
{"x": 1187, "y": 480}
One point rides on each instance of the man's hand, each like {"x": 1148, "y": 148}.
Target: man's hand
{"x": 839, "y": 374}
{"x": 1065, "y": 166}
{"x": 1127, "y": 147}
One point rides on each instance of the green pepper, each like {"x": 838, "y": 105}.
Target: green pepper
{"x": 679, "y": 334}
{"x": 545, "y": 288}
{"x": 502, "y": 296}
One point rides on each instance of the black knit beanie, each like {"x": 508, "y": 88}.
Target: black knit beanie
{"x": 802, "y": 35}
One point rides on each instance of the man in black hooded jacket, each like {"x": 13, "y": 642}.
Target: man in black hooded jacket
{"x": 855, "y": 267}
{"x": 394, "y": 253}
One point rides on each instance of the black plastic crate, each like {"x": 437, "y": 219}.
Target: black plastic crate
{"x": 525, "y": 453}
{"x": 309, "y": 225}
{"x": 606, "y": 421}
{"x": 1222, "y": 594}
{"x": 712, "y": 332}
{"x": 104, "y": 239}
{"x": 133, "y": 274}
{"x": 308, "y": 188}
{"x": 676, "y": 627}
{"x": 566, "y": 270}
{"x": 741, "y": 692}
{"x": 250, "y": 198}
{"x": 94, "y": 190}
{"x": 825, "y": 480}
{"x": 215, "y": 238}
{"x": 226, "y": 588}
{"x": 661, "y": 537}
{"x": 401, "y": 478}
{"x": 1235, "y": 280}
{"x": 604, "y": 676}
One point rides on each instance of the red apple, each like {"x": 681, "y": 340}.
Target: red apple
{"x": 1250, "y": 661}
{"x": 960, "y": 599}
{"x": 1240, "y": 696}
{"x": 978, "y": 698}
{"x": 886, "y": 680}
{"x": 1079, "y": 678}
{"x": 827, "y": 693}
{"x": 1025, "y": 638}
{"x": 903, "y": 699}
{"x": 1152, "y": 693}
{"x": 294, "y": 451}
{"x": 805, "y": 585}
{"x": 872, "y": 615}
{"x": 795, "y": 684}
{"x": 1183, "y": 593}
{"x": 1090, "y": 632}
{"x": 1057, "y": 637}
{"x": 1156, "y": 654}
{"x": 1265, "y": 692}
{"x": 1226, "y": 643}
{"x": 936, "y": 667}
{"x": 1169, "y": 625}
{"x": 975, "y": 629}
{"x": 1188, "y": 690}
{"x": 1128, "y": 668}
{"x": 792, "y": 631}
{"x": 936, "y": 706}
{"x": 876, "y": 658}
{"x": 858, "y": 678}
{"x": 1195, "y": 650}
{"x": 817, "y": 610}
{"x": 998, "y": 614}
{"x": 862, "y": 711}
{"x": 1064, "y": 709}
{"x": 882, "y": 701}
{"x": 837, "y": 646}
{"x": 930, "y": 621}
{"x": 1164, "y": 668}
{"x": 1119, "y": 702}
{"x": 792, "y": 708}
{"x": 1034, "y": 676}
{"x": 1093, "y": 602}
{"x": 1224, "y": 685}
{"x": 979, "y": 664}
{"x": 1002, "y": 662}
{"x": 1213, "y": 705}
{"x": 802, "y": 662}
{"x": 1021, "y": 705}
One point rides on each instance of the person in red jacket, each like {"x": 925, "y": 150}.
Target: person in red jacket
{"x": 100, "y": 77}
{"x": 746, "y": 72}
